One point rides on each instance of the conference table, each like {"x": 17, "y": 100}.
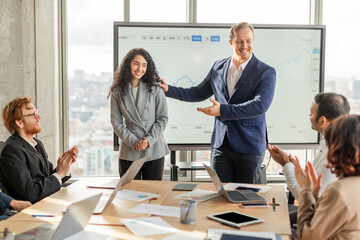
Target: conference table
{"x": 109, "y": 222}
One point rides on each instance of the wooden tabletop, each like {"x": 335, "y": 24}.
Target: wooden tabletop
{"x": 110, "y": 221}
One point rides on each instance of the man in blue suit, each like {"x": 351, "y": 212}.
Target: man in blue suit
{"x": 243, "y": 87}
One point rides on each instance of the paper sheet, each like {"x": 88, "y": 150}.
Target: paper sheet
{"x": 198, "y": 195}
{"x": 159, "y": 210}
{"x": 233, "y": 186}
{"x": 148, "y": 226}
{"x": 135, "y": 195}
{"x": 104, "y": 184}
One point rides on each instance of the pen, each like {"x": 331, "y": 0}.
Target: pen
{"x": 41, "y": 215}
{"x": 274, "y": 204}
{"x": 187, "y": 212}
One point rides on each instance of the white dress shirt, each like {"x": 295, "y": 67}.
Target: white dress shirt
{"x": 234, "y": 73}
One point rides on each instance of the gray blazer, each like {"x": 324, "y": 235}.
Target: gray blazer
{"x": 147, "y": 118}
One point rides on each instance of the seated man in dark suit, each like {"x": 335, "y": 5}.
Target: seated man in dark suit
{"x": 25, "y": 171}
{"x": 7, "y": 202}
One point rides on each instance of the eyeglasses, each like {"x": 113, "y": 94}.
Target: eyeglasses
{"x": 35, "y": 114}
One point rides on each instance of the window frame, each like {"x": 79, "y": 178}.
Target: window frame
{"x": 315, "y": 18}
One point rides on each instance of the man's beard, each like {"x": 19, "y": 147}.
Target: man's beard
{"x": 33, "y": 130}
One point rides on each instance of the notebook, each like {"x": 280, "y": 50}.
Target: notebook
{"x": 126, "y": 178}
{"x": 73, "y": 223}
{"x": 237, "y": 196}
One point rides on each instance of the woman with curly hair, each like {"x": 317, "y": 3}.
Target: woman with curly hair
{"x": 336, "y": 214}
{"x": 139, "y": 114}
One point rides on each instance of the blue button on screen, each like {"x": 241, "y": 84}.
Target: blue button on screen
{"x": 215, "y": 38}
{"x": 196, "y": 38}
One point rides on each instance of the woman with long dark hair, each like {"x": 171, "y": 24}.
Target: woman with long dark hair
{"x": 139, "y": 114}
{"x": 336, "y": 214}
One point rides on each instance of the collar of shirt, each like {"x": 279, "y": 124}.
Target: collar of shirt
{"x": 242, "y": 66}
{"x": 32, "y": 143}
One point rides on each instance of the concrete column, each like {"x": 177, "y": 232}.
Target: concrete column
{"x": 28, "y": 62}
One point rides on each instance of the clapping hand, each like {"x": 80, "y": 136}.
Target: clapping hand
{"x": 278, "y": 155}
{"x": 302, "y": 176}
{"x": 68, "y": 158}
{"x": 316, "y": 181}
{"x": 307, "y": 177}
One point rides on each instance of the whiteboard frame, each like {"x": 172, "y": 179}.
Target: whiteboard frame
{"x": 207, "y": 146}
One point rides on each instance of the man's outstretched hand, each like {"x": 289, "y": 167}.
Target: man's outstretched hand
{"x": 213, "y": 110}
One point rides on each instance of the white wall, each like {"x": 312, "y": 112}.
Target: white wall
{"x": 28, "y": 63}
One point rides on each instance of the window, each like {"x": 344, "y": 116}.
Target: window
{"x": 90, "y": 68}
{"x": 158, "y": 11}
{"x": 342, "y": 73}
{"x": 90, "y": 63}
{"x": 255, "y": 11}
{"x": 90, "y": 74}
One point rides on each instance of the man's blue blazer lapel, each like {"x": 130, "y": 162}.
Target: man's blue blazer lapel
{"x": 224, "y": 78}
{"x": 249, "y": 68}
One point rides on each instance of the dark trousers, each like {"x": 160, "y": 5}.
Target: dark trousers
{"x": 235, "y": 167}
{"x": 151, "y": 170}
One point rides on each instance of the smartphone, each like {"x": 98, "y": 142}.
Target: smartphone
{"x": 254, "y": 205}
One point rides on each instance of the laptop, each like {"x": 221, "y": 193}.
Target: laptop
{"x": 74, "y": 221}
{"x": 236, "y": 196}
{"x": 126, "y": 178}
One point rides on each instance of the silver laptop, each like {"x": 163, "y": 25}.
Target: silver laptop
{"x": 126, "y": 178}
{"x": 236, "y": 196}
{"x": 73, "y": 223}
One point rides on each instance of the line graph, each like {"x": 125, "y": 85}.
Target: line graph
{"x": 294, "y": 59}
{"x": 182, "y": 79}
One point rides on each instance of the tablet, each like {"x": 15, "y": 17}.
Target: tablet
{"x": 234, "y": 219}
